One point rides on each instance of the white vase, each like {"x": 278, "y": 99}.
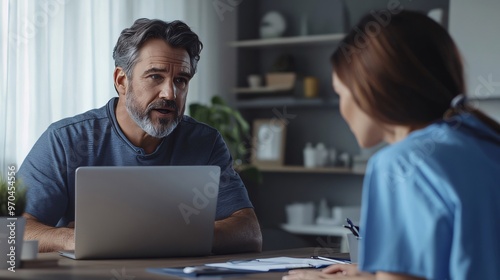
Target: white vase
{"x": 11, "y": 242}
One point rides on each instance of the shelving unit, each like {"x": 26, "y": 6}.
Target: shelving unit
{"x": 301, "y": 169}
{"x": 256, "y": 97}
{"x": 316, "y": 229}
{"x": 323, "y": 230}
{"x": 312, "y": 120}
{"x": 283, "y": 41}
{"x": 289, "y": 101}
{"x": 259, "y": 90}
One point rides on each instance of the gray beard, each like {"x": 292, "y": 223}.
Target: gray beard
{"x": 161, "y": 130}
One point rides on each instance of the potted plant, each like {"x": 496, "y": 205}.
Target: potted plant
{"x": 12, "y": 204}
{"x": 234, "y": 129}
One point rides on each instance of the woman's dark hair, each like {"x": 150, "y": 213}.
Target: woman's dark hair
{"x": 175, "y": 33}
{"x": 406, "y": 71}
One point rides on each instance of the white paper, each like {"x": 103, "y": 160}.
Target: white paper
{"x": 269, "y": 264}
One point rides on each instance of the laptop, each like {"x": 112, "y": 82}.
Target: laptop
{"x": 144, "y": 211}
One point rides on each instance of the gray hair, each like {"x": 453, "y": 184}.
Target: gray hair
{"x": 175, "y": 33}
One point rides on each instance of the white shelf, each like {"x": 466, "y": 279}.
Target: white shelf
{"x": 290, "y": 101}
{"x": 311, "y": 39}
{"x": 271, "y": 89}
{"x": 316, "y": 229}
{"x": 339, "y": 231}
{"x": 301, "y": 169}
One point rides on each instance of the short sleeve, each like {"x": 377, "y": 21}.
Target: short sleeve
{"x": 406, "y": 226}
{"x": 233, "y": 195}
{"x": 43, "y": 172}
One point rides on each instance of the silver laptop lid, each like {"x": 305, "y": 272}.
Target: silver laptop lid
{"x": 146, "y": 211}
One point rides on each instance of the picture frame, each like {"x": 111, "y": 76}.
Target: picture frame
{"x": 268, "y": 142}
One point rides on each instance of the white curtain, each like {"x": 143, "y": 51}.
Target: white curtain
{"x": 56, "y": 60}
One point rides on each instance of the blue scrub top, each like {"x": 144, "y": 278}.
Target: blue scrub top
{"x": 431, "y": 203}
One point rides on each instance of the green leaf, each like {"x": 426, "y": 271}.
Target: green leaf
{"x": 218, "y": 100}
{"x": 19, "y": 197}
{"x": 228, "y": 121}
{"x": 251, "y": 172}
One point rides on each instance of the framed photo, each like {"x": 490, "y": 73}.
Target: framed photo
{"x": 268, "y": 147}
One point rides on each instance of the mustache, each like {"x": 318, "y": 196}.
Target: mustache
{"x": 162, "y": 104}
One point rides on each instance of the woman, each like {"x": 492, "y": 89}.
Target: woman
{"x": 431, "y": 199}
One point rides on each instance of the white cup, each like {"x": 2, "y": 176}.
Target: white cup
{"x": 254, "y": 81}
{"x": 29, "y": 250}
{"x": 300, "y": 213}
{"x": 353, "y": 242}
{"x": 309, "y": 156}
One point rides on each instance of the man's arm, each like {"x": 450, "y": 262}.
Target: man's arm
{"x": 49, "y": 238}
{"x": 239, "y": 232}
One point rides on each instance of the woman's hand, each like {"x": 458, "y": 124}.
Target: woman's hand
{"x": 342, "y": 269}
{"x": 336, "y": 271}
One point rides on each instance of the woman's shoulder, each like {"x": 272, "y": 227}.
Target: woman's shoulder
{"x": 445, "y": 147}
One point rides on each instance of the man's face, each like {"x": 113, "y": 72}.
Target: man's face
{"x": 156, "y": 93}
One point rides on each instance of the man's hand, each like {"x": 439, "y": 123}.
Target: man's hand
{"x": 49, "y": 238}
{"x": 239, "y": 232}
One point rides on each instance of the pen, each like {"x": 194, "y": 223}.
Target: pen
{"x": 331, "y": 259}
{"x": 352, "y": 227}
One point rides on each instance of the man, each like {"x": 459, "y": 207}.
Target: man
{"x": 145, "y": 125}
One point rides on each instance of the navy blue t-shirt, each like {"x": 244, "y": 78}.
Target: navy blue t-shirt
{"x": 95, "y": 139}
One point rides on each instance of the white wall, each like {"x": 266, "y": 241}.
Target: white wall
{"x": 215, "y": 23}
{"x": 474, "y": 25}
{"x": 490, "y": 107}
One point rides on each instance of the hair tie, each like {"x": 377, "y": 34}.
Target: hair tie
{"x": 458, "y": 101}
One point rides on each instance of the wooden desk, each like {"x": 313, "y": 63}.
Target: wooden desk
{"x": 135, "y": 269}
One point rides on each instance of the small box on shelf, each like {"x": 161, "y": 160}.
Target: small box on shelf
{"x": 281, "y": 79}
{"x": 264, "y": 90}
